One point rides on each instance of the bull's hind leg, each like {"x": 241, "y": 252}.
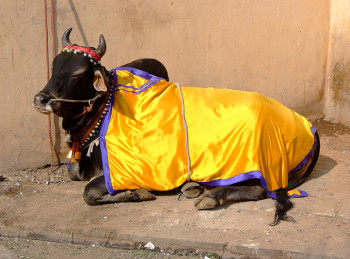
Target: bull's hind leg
{"x": 96, "y": 193}
{"x": 229, "y": 194}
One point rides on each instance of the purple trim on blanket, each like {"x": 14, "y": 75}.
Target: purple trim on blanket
{"x": 146, "y": 86}
{"x": 152, "y": 79}
{"x": 134, "y": 88}
{"x": 302, "y": 194}
{"x": 107, "y": 118}
{"x": 249, "y": 176}
{"x": 257, "y": 175}
{"x": 308, "y": 156}
{"x": 103, "y": 146}
{"x": 240, "y": 178}
{"x": 140, "y": 73}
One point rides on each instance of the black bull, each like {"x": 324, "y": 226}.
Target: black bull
{"x": 77, "y": 90}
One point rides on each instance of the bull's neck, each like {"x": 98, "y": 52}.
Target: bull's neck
{"x": 88, "y": 128}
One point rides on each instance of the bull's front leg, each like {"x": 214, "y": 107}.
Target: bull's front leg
{"x": 88, "y": 167}
{"x": 96, "y": 193}
{"x": 229, "y": 194}
{"x": 74, "y": 172}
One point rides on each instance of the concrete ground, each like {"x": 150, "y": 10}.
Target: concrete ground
{"x": 48, "y": 206}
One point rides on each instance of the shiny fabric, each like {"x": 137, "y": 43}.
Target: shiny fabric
{"x": 233, "y": 136}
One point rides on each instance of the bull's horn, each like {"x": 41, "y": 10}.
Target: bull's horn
{"x": 65, "y": 38}
{"x": 101, "y": 49}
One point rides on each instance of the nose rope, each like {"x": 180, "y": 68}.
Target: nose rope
{"x": 86, "y": 109}
{"x": 90, "y": 101}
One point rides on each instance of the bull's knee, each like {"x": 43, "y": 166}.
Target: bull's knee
{"x": 92, "y": 195}
{"x": 74, "y": 171}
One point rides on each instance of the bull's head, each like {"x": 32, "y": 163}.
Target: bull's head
{"x": 76, "y": 75}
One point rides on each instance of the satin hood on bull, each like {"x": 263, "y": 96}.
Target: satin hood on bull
{"x": 157, "y": 135}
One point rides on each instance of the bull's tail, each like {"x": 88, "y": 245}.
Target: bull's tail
{"x": 283, "y": 203}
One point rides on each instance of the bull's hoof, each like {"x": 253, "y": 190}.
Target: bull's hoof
{"x": 74, "y": 172}
{"x": 206, "y": 203}
{"x": 192, "y": 190}
{"x": 145, "y": 195}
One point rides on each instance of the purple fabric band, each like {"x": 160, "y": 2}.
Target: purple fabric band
{"x": 257, "y": 175}
{"x": 103, "y": 146}
{"x": 139, "y": 73}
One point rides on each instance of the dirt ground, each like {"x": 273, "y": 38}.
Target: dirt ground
{"x": 43, "y": 215}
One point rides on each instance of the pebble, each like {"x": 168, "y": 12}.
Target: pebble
{"x": 150, "y": 246}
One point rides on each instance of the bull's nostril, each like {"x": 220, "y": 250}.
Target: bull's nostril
{"x": 42, "y": 103}
{"x": 41, "y": 99}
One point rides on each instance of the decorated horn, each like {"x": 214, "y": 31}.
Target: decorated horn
{"x": 101, "y": 49}
{"x": 65, "y": 38}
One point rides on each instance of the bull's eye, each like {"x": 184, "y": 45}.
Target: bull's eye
{"x": 77, "y": 76}
{"x": 79, "y": 72}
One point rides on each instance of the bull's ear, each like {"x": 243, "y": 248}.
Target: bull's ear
{"x": 100, "y": 80}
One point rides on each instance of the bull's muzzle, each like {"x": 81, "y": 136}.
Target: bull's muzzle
{"x": 42, "y": 103}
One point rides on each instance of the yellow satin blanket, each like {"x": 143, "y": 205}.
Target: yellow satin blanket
{"x": 232, "y": 136}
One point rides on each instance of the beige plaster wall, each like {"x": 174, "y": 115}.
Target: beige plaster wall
{"x": 337, "y": 105}
{"x": 276, "y": 47}
{"x": 23, "y": 133}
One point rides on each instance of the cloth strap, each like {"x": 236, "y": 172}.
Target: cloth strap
{"x": 186, "y": 133}
{"x": 91, "y": 146}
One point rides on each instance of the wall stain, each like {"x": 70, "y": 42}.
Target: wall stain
{"x": 13, "y": 60}
{"x": 341, "y": 83}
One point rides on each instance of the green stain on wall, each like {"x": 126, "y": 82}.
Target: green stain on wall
{"x": 341, "y": 83}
